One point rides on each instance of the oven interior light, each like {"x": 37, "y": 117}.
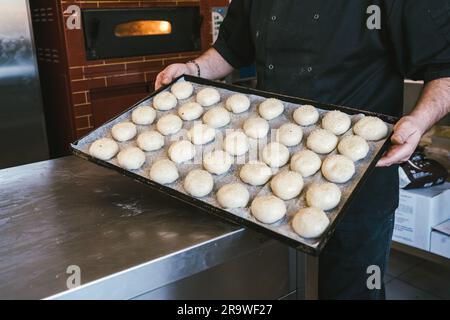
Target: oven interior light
{"x": 143, "y": 28}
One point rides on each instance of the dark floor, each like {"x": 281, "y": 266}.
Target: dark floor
{"x": 409, "y": 277}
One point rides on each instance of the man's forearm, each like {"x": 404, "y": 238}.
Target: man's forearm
{"x": 212, "y": 65}
{"x": 433, "y": 104}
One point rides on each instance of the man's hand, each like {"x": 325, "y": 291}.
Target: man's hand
{"x": 171, "y": 72}
{"x": 433, "y": 105}
{"x": 405, "y": 139}
{"x": 211, "y": 63}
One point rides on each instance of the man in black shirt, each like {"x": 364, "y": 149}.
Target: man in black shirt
{"x": 352, "y": 53}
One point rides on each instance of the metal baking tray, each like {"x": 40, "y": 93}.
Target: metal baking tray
{"x": 280, "y": 230}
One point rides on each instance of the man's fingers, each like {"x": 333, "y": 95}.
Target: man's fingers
{"x": 403, "y": 131}
{"x": 406, "y": 137}
{"x": 158, "y": 82}
{"x": 163, "y": 78}
{"x": 174, "y": 72}
{"x": 167, "y": 79}
{"x": 397, "y": 138}
{"x": 396, "y": 154}
{"x": 167, "y": 75}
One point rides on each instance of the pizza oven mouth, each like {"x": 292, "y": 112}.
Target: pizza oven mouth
{"x": 121, "y": 33}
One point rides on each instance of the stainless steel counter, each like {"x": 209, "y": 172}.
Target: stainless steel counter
{"x": 126, "y": 239}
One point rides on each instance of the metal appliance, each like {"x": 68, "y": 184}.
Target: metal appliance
{"x": 22, "y": 124}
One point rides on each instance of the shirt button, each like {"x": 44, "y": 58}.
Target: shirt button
{"x": 309, "y": 69}
{"x": 274, "y": 18}
{"x": 316, "y": 16}
{"x": 271, "y": 66}
{"x": 257, "y": 33}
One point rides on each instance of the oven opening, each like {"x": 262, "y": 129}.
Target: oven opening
{"x": 143, "y": 28}
{"x": 131, "y": 32}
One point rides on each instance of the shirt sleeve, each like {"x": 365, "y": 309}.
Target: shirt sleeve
{"x": 420, "y": 34}
{"x": 234, "y": 42}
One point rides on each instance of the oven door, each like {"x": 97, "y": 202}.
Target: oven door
{"x": 118, "y": 33}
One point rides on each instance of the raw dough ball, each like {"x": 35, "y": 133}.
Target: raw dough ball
{"x": 287, "y": 184}
{"x": 217, "y": 117}
{"x": 201, "y": 134}
{"x": 190, "y": 111}
{"x": 104, "y": 149}
{"x": 208, "y": 96}
{"x": 255, "y": 173}
{"x": 237, "y": 103}
{"x": 353, "y": 147}
{"x": 325, "y": 196}
{"x": 289, "y": 134}
{"x": 268, "y": 209}
{"x": 371, "y": 128}
{"x": 150, "y": 141}
{"x": 306, "y": 163}
{"x": 131, "y": 158}
{"x": 256, "y": 128}
{"x": 198, "y": 183}
{"x": 310, "y": 222}
{"x": 181, "y": 151}
{"x": 143, "y": 115}
{"x": 124, "y": 131}
{"x": 164, "y": 101}
{"x": 321, "y": 141}
{"x": 217, "y": 161}
{"x": 233, "y": 195}
{"x": 275, "y": 154}
{"x": 164, "y": 171}
{"x": 236, "y": 143}
{"x": 338, "y": 168}
{"x": 336, "y": 122}
{"x": 169, "y": 124}
{"x": 306, "y": 115}
{"x": 271, "y": 108}
{"x": 182, "y": 89}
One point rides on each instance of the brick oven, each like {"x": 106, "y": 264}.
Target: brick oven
{"x": 84, "y": 85}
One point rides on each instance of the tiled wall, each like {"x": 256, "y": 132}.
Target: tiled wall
{"x": 97, "y": 79}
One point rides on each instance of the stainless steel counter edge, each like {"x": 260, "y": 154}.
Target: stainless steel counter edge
{"x": 140, "y": 279}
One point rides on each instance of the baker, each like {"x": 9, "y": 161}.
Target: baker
{"x": 352, "y": 53}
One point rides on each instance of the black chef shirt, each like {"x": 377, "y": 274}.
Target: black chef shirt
{"x": 324, "y": 50}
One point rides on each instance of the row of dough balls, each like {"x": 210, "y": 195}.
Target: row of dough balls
{"x": 285, "y": 185}
{"x": 335, "y": 122}
{"x": 308, "y": 222}
{"x": 336, "y": 168}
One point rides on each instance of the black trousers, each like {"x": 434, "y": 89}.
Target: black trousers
{"x": 360, "y": 240}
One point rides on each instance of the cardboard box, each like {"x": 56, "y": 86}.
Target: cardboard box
{"x": 419, "y": 211}
{"x": 440, "y": 239}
